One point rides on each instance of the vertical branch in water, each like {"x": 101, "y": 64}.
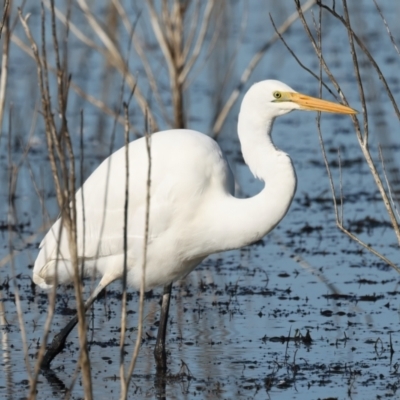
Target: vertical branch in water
{"x": 143, "y": 276}
{"x": 124, "y": 388}
{"x": 82, "y": 192}
{"x": 46, "y": 111}
{"x": 5, "y": 27}
{"x": 362, "y": 137}
{"x": 6, "y": 11}
{"x": 63, "y": 169}
{"x": 318, "y": 48}
{"x": 180, "y": 56}
{"x": 168, "y": 31}
{"x": 230, "y": 102}
{"x": 387, "y": 27}
{"x": 69, "y": 203}
{"x": 12, "y": 224}
{"x": 115, "y": 57}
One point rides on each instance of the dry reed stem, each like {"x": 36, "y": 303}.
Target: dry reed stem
{"x": 64, "y": 184}
{"x": 352, "y": 34}
{"x": 387, "y": 28}
{"x": 169, "y": 35}
{"x": 189, "y": 63}
{"x": 388, "y": 185}
{"x": 124, "y": 389}
{"x": 140, "y": 50}
{"x": 361, "y": 138}
{"x": 68, "y": 201}
{"x": 299, "y": 61}
{"x": 220, "y": 120}
{"x": 143, "y": 277}
{"x": 6, "y": 11}
{"x": 116, "y": 59}
{"x": 14, "y": 170}
{"x": 210, "y": 49}
{"x": 110, "y": 52}
{"x": 180, "y": 55}
{"x": 364, "y": 143}
{"x": 89, "y": 98}
{"x": 5, "y": 27}
{"x": 12, "y": 218}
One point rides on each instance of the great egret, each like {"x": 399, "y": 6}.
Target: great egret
{"x": 193, "y": 211}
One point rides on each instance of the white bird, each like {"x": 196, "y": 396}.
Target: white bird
{"x": 193, "y": 210}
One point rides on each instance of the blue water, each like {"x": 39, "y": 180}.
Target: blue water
{"x": 226, "y": 315}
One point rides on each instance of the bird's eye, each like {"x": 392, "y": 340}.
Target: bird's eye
{"x": 277, "y": 95}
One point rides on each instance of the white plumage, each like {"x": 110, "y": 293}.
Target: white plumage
{"x": 193, "y": 211}
{"x": 188, "y": 172}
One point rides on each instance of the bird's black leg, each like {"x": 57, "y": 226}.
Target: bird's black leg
{"x": 58, "y": 342}
{"x": 159, "y": 350}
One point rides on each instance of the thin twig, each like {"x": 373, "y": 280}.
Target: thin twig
{"x": 144, "y": 261}
{"x": 65, "y": 184}
{"x": 199, "y": 42}
{"x": 141, "y": 51}
{"x": 125, "y": 270}
{"x": 319, "y": 78}
{"x": 115, "y": 58}
{"x": 12, "y": 218}
{"x": 4, "y": 61}
{"x": 388, "y": 185}
{"x": 251, "y": 66}
{"x": 5, "y": 15}
{"x": 369, "y": 56}
{"x": 387, "y": 28}
{"x": 363, "y": 144}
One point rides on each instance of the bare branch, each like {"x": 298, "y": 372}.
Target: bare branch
{"x": 6, "y": 10}
{"x": 161, "y": 38}
{"x": 363, "y": 140}
{"x": 251, "y": 66}
{"x": 199, "y": 43}
{"x": 388, "y": 185}
{"x": 369, "y": 56}
{"x": 387, "y": 28}
{"x": 144, "y": 261}
{"x": 4, "y": 61}
{"x": 319, "y": 78}
{"x": 115, "y": 57}
{"x": 140, "y": 49}
{"x": 124, "y": 388}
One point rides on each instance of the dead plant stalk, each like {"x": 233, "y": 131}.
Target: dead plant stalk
{"x": 362, "y": 137}
{"x": 64, "y": 180}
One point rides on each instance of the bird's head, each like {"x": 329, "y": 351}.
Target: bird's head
{"x": 273, "y": 98}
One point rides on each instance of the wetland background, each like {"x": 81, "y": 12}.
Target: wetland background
{"x": 239, "y": 322}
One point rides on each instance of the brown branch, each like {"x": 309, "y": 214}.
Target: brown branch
{"x": 319, "y": 78}
{"x": 368, "y": 54}
{"x": 250, "y": 68}
{"x": 5, "y": 15}
{"x": 387, "y": 28}
{"x": 4, "y": 60}
{"x": 65, "y": 186}
{"x": 144, "y": 262}
{"x": 363, "y": 143}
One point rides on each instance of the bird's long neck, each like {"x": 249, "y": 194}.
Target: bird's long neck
{"x": 244, "y": 221}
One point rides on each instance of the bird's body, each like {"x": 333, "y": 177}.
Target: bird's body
{"x": 193, "y": 211}
{"x": 189, "y": 176}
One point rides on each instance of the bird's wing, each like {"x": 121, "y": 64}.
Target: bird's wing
{"x": 185, "y": 164}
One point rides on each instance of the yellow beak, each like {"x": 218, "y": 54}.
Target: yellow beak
{"x": 313, "y": 104}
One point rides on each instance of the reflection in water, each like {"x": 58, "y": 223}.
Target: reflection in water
{"x": 160, "y": 383}
{"x": 55, "y": 382}
{"x": 6, "y": 350}
{"x": 227, "y": 313}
